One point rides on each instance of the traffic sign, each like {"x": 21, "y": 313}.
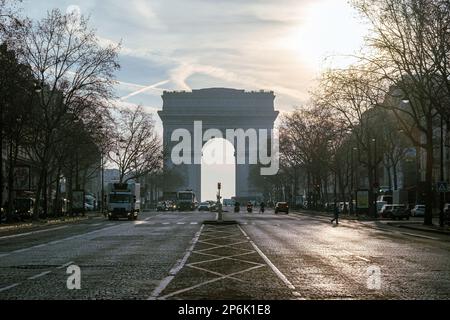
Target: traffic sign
{"x": 442, "y": 186}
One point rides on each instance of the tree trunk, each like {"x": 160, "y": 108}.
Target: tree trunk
{"x": 57, "y": 205}
{"x": 429, "y": 175}
{"x": 394, "y": 168}
{"x": 11, "y": 164}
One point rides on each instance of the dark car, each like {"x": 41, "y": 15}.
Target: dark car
{"x": 400, "y": 213}
{"x": 204, "y": 206}
{"x": 282, "y": 207}
{"x": 161, "y": 206}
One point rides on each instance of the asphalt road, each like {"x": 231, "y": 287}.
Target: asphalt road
{"x": 175, "y": 256}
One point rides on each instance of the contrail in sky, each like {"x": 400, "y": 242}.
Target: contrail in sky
{"x": 153, "y": 86}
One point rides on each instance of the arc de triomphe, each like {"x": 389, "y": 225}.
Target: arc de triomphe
{"x": 221, "y": 109}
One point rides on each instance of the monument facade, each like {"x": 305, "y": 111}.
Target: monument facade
{"x": 223, "y": 110}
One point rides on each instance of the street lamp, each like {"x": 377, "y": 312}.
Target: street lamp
{"x": 102, "y": 166}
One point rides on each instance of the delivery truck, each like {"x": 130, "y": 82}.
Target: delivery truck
{"x": 124, "y": 201}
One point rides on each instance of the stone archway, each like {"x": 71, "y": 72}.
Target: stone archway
{"x": 220, "y": 110}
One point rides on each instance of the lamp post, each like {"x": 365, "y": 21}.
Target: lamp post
{"x": 375, "y": 176}
{"x": 102, "y": 168}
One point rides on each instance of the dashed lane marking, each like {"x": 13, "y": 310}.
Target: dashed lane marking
{"x": 40, "y": 275}
{"x": 362, "y": 258}
{"x": 60, "y": 241}
{"x": 65, "y": 265}
{"x": 36, "y": 277}
{"x": 9, "y": 287}
{"x": 21, "y": 250}
{"x": 418, "y": 236}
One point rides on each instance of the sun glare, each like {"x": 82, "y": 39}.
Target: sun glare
{"x": 329, "y": 28}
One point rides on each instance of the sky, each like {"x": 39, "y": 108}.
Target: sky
{"x": 190, "y": 44}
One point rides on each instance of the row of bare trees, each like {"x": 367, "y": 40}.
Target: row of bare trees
{"x": 396, "y": 94}
{"x": 57, "y": 103}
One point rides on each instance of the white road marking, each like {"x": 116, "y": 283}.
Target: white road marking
{"x": 230, "y": 276}
{"x": 181, "y": 223}
{"x": 40, "y": 246}
{"x": 9, "y": 287}
{"x": 39, "y": 275}
{"x": 362, "y": 258}
{"x": 162, "y": 285}
{"x": 173, "y": 272}
{"x": 21, "y": 250}
{"x": 31, "y": 233}
{"x": 62, "y": 240}
{"x": 166, "y": 223}
{"x": 147, "y": 219}
{"x": 280, "y": 275}
{"x": 65, "y": 265}
{"x": 194, "y": 223}
{"x": 418, "y": 236}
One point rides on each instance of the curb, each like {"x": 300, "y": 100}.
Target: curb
{"x": 389, "y": 224}
{"x": 447, "y": 233}
{"x": 40, "y": 224}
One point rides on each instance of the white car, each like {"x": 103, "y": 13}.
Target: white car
{"x": 418, "y": 211}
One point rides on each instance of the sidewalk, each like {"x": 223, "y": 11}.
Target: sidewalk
{"x": 411, "y": 225}
{"x": 17, "y": 226}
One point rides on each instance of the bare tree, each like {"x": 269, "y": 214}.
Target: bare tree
{"x": 352, "y": 96}
{"x": 304, "y": 145}
{"x": 76, "y": 74}
{"x": 136, "y": 148}
{"x": 410, "y": 45}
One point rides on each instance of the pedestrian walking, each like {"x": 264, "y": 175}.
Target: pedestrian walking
{"x": 336, "y": 213}
{"x": 262, "y": 207}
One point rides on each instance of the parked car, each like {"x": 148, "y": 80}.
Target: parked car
{"x": 380, "y": 205}
{"x": 24, "y": 208}
{"x": 386, "y": 210}
{"x": 282, "y": 207}
{"x": 89, "y": 206}
{"x": 418, "y": 211}
{"x": 204, "y": 206}
{"x": 447, "y": 214}
{"x": 387, "y": 198}
{"x": 401, "y": 212}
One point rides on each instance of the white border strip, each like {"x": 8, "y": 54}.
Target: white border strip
{"x": 280, "y": 275}
{"x": 179, "y": 265}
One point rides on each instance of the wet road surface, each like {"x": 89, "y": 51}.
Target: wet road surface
{"x": 175, "y": 256}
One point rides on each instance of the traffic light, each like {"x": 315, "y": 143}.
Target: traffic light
{"x": 219, "y": 186}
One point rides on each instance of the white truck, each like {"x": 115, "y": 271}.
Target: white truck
{"x": 124, "y": 201}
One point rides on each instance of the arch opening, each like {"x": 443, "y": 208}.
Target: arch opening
{"x": 218, "y": 165}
